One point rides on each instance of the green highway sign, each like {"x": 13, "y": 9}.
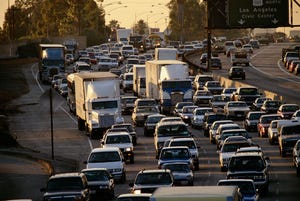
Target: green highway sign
{"x": 257, "y": 13}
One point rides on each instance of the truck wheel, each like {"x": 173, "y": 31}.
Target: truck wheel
{"x": 283, "y": 153}
{"x": 80, "y": 124}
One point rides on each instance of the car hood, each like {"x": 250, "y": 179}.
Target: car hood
{"x": 64, "y": 193}
{"x": 108, "y": 165}
{"x": 119, "y": 145}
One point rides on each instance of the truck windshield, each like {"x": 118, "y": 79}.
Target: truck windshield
{"x": 176, "y": 84}
{"x": 104, "y": 105}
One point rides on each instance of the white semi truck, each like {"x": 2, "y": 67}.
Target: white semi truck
{"x": 167, "y": 82}
{"x": 97, "y": 98}
{"x": 139, "y": 81}
{"x": 197, "y": 193}
{"x": 165, "y": 54}
{"x": 123, "y": 36}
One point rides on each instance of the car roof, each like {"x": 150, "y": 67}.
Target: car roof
{"x": 105, "y": 149}
{"x": 131, "y": 195}
{"x": 94, "y": 169}
{"x": 69, "y": 174}
{"x": 154, "y": 171}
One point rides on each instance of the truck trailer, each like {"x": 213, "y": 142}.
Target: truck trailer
{"x": 97, "y": 100}
{"x": 197, "y": 193}
{"x": 167, "y": 82}
{"x": 139, "y": 79}
{"x": 123, "y": 36}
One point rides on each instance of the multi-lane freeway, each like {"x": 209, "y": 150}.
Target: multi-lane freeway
{"x": 32, "y": 129}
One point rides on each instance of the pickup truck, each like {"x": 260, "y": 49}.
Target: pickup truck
{"x": 247, "y": 94}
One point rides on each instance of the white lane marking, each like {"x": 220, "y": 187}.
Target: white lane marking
{"x": 35, "y": 75}
{"x": 278, "y": 65}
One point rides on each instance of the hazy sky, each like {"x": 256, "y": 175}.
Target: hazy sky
{"x": 127, "y": 12}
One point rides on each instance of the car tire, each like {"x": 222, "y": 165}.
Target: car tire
{"x": 131, "y": 160}
{"x": 123, "y": 178}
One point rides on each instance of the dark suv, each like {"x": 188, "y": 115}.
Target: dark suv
{"x": 147, "y": 181}
{"x": 209, "y": 119}
{"x": 67, "y": 186}
{"x": 250, "y": 165}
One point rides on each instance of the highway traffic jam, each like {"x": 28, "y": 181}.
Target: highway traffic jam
{"x": 125, "y": 99}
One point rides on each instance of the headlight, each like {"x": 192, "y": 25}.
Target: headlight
{"x": 117, "y": 170}
{"x": 185, "y": 117}
{"x": 137, "y": 192}
{"x": 128, "y": 149}
{"x": 103, "y": 187}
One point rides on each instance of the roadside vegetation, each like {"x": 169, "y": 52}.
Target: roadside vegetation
{"x": 13, "y": 85}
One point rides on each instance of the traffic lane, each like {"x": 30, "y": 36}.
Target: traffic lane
{"x": 21, "y": 178}
{"x": 209, "y": 172}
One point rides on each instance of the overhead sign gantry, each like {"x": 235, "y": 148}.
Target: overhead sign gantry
{"x": 230, "y": 14}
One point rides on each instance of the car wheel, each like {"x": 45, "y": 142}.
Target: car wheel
{"x": 123, "y": 178}
{"x": 132, "y": 160}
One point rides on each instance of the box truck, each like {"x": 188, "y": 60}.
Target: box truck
{"x": 139, "y": 81}
{"x": 197, "y": 193}
{"x": 167, "y": 82}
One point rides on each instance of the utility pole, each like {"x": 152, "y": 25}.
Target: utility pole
{"x": 208, "y": 61}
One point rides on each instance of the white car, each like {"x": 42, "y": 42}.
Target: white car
{"x": 214, "y": 127}
{"x": 236, "y": 109}
{"x": 191, "y": 144}
{"x": 106, "y": 63}
{"x": 122, "y": 140}
{"x": 198, "y": 116}
{"x": 110, "y": 158}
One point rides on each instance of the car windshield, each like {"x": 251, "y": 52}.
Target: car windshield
{"x": 254, "y": 116}
{"x": 178, "y": 167}
{"x": 153, "y": 178}
{"x": 291, "y": 108}
{"x": 202, "y": 112}
{"x": 290, "y": 130}
{"x": 173, "y": 130}
{"x": 147, "y": 109}
{"x": 154, "y": 119}
{"x": 171, "y": 154}
{"x": 248, "y": 91}
{"x": 224, "y": 136}
{"x": 115, "y": 139}
{"x": 104, "y": 157}
{"x": 189, "y": 143}
{"x": 237, "y": 104}
{"x": 247, "y": 163}
{"x": 232, "y": 147}
{"x": 64, "y": 184}
{"x": 96, "y": 175}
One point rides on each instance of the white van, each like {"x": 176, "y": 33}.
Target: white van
{"x": 199, "y": 193}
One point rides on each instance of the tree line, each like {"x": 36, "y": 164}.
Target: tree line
{"x": 36, "y": 19}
